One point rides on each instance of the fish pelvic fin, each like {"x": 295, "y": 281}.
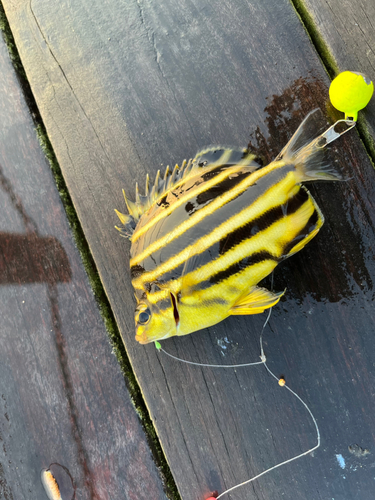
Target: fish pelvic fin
{"x": 306, "y": 151}
{"x": 256, "y": 301}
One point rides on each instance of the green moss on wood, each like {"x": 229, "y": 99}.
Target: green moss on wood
{"x": 332, "y": 68}
{"x": 90, "y": 267}
{"x": 328, "y": 61}
{"x": 108, "y": 317}
{"x": 366, "y": 138}
{"x": 9, "y": 41}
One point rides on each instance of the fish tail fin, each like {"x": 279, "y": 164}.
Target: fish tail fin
{"x": 311, "y": 164}
{"x": 306, "y": 151}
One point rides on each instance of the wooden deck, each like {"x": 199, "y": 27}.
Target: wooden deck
{"x": 123, "y": 89}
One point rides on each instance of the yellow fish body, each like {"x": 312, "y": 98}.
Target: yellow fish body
{"x": 210, "y": 231}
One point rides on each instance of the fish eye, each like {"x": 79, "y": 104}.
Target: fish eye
{"x": 144, "y": 317}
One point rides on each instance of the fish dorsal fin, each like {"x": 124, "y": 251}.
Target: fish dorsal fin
{"x": 206, "y": 158}
{"x": 161, "y": 185}
{"x": 219, "y": 155}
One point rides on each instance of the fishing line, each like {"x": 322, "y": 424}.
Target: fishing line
{"x": 263, "y": 361}
{"x": 299, "y": 399}
{"x": 206, "y": 364}
{"x": 349, "y": 92}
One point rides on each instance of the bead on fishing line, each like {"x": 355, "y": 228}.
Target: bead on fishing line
{"x": 350, "y": 92}
{"x": 282, "y": 381}
{"x": 214, "y": 496}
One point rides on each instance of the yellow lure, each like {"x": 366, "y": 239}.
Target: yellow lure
{"x": 350, "y": 92}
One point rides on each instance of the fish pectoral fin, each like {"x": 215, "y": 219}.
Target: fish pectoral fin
{"x": 256, "y": 301}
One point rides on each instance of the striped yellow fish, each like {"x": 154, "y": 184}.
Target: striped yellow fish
{"x": 207, "y": 233}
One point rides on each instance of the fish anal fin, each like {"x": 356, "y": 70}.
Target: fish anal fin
{"x": 303, "y": 225}
{"x": 303, "y": 242}
{"x": 256, "y": 301}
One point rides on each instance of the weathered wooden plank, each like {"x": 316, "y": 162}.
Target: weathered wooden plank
{"x": 348, "y": 30}
{"x": 124, "y": 88}
{"x": 63, "y": 398}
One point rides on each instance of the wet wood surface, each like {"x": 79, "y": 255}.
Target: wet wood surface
{"x": 64, "y": 404}
{"x": 125, "y": 89}
{"x": 348, "y": 29}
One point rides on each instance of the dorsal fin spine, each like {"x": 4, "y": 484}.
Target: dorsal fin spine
{"x": 166, "y": 174}
{"x": 130, "y": 206}
{"x": 189, "y": 168}
{"x": 173, "y": 177}
{"x": 165, "y": 179}
{"x": 155, "y": 188}
{"x": 137, "y": 199}
{"x": 141, "y": 202}
{"x": 123, "y": 218}
{"x": 161, "y": 185}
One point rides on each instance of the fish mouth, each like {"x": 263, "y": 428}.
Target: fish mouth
{"x": 145, "y": 337}
{"x": 142, "y": 339}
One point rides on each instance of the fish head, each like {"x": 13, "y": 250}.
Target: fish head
{"x": 154, "y": 322}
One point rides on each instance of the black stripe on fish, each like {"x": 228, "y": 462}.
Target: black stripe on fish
{"x": 136, "y": 271}
{"x": 237, "y": 267}
{"x": 309, "y": 228}
{"x": 220, "y": 188}
{"x": 205, "y": 176}
{"x": 211, "y": 217}
{"x": 262, "y": 222}
{"x": 241, "y": 234}
{"x": 210, "y": 173}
